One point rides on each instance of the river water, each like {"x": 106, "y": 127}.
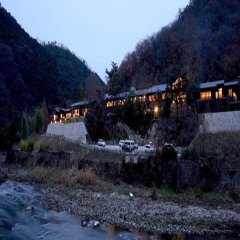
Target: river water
{"x": 18, "y": 221}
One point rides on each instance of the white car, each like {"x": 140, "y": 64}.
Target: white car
{"x": 128, "y": 146}
{"x": 101, "y": 143}
{"x": 149, "y": 148}
{"x": 121, "y": 142}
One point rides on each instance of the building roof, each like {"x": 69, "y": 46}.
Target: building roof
{"x": 119, "y": 95}
{"x": 78, "y": 104}
{"x": 153, "y": 89}
{"x": 156, "y": 88}
{"x": 57, "y": 109}
{"x": 211, "y": 84}
{"x": 231, "y": 83}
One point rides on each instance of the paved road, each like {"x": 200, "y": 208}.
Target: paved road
{"x": 119, "y": 149}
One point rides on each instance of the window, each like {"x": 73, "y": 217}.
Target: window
{"x": 76, "y": 113}
{"x": 68, "y": 115}
{"x": 110, "y": 104}
{"x": 230, "y": 92}
{"x": 235, "y": 96}
{"x": 142, "y": 98}
{"x": 151, "y": 98}
{"x": 218, "y": 94}
{"x": 205, "y": 95}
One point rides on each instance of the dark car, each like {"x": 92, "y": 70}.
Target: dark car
{"x": 170, "y": 146}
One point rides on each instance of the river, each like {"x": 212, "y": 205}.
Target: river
{"x": 25, "y": 215}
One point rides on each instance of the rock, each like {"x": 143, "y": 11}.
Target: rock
{"x": 29, "y": 208}
{"x": 84, "y": 223}
{"x": 96, "y": 223}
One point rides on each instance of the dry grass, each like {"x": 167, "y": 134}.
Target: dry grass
{"x": 222, "y": 144}
{"x": 54, "y": 144}
{"x": 68, "y": 177}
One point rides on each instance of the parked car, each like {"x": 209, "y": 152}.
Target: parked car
{"x": 149, "y": 148}
{"x": 128, "y": 145}
{"x": 170, "y": 146}
{"x": 135, "y": 145}
{"x": 150, "y": 143}
{"x": 101, "y": 143}
{"x": 121, "y": 142}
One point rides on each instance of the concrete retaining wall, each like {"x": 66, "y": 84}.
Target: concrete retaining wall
{"x": 221, "y": 121}
{"x": 76, "y": 131}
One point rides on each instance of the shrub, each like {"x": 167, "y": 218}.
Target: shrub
{"x": 169, "y": 154}
{"x": 30, "y": 145}
{"x": 42, "y": 147}
{"x": 190, "y": 153}
{"x": 23, "y": 145}
{"x": 27, "y": 145}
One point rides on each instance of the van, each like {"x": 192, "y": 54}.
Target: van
{"x": 128, "y": 145}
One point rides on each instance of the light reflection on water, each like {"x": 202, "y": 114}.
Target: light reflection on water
{"x": 18, "y": 224}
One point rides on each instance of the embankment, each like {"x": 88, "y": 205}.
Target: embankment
{"x": 208, "y": 174}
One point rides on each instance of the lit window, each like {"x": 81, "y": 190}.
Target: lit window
{"x": 205, "y": 95}
{"x": 235, "y": 96}
{"x": 109, "y": 104}
{"x": 220, "y": 93}
{"x": 68, "y": 115}
{"x": 151, "y": 98}
{"x": 230, "y": 92}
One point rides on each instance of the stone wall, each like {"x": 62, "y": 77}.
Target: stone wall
{"x": 220, "y": 121}
{"x": 75, "y": 131}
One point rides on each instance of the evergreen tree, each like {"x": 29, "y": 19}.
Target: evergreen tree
{"x": 39, "y": 121}
{"x": 45, "y": 114}
{"x": 24, "y": 126}
{"x": 114, "y": 81}
{"x": 80, "y": 92}
{"x": 8, "y": 136}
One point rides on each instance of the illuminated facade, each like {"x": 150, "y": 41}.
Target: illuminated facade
{"x": 213, "y": 97}
{"x": 146, "y": 96}
{"x": 76, "y": 110}
{"x": 218, "y": 96}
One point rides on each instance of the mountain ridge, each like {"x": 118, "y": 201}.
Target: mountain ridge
{"x": 31, "y": 72}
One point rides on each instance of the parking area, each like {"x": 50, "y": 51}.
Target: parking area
{"x": 117, "y": 148}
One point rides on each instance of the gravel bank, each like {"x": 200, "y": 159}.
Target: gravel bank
{"x": 142, "y": 213}
{"x": 173, "y": 215}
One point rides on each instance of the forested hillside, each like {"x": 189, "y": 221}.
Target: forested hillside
{"x": 202, "y": 44}
{"x": 75, "y": 81}
{"x": 31, "y": 72}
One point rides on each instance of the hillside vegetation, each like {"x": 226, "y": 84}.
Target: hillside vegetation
{"x": 202, "y": 44}
{"x": 30, "y": 72}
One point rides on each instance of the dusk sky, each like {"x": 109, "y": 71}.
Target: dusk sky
{"x": 98, "y": 31}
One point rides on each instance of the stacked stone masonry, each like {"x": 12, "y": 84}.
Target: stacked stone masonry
{"x": 75, "y": 131}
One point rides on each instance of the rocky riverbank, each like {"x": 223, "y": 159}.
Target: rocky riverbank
{"x": 161, "y": 215}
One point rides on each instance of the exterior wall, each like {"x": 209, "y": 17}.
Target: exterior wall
{"x": 76, "y": 131}
{"x": 221, "y": 121}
